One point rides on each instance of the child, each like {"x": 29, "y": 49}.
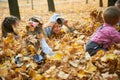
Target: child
{"x": 106, "y": 35}
{"x": 8, "y": 26}
{"x": 35, "y": 32}
{"x": 55, "y": 24}
{"x": 117, "y": 4}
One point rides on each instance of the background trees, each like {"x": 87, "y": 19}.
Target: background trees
{"x": 51, "y": 6}
{"x": 14, "y": 8}
{"x": 111, "y": 2}
{"x": 101, "y": 3}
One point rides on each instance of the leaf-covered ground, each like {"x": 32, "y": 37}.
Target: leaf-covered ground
{"x": 70, "y": 62}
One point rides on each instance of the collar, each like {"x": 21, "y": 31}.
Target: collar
{"x": 107, "y": 25}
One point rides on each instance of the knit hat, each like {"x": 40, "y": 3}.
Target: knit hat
{"x": 54, "y": 17}
{"x": 36, "y": 19}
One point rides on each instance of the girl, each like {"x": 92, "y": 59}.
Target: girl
{"x": 36, "y": 38}
{"x": 8, "y": 26}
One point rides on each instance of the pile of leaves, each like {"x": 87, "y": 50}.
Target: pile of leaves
{"x": 70, "y": 61}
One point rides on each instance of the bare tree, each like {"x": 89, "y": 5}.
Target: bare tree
{"x": 32, "y": 4}
{"x": 27, "y": 1}
{"x": 14, "y": 8}
{"x": 101, "y": 3}
{"x": 51, "y": 5}
{"x": 86, "y": 1}
{"x": 111, "y": 2}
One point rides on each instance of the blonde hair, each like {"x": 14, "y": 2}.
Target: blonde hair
{"x": 111, "y": 15}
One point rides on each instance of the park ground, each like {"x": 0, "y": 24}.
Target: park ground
{"x": 70, "y": 62}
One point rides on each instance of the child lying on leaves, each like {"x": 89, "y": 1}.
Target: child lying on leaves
{"x": 36, "y": 43}
{"x": 106, "y": 35}
{"x": 54, "y": 26}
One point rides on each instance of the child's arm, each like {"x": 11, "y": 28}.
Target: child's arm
{"x": 115, "y": 36}
{"x": 71, "y": 28}
{"x": 45, "y": 47}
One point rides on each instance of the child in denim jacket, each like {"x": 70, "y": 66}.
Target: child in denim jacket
{"x": 54, "y": 25}
{"x": 106, "y": 35}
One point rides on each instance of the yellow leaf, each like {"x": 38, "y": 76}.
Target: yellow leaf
{"x": 9, "y": 52}
{"x": 100, "y": 53}
{"x": 63, "y": 75}
{"x": 109, "y": 57}
{"x": 31, "y": 48}
{"x": 37, "y": 77}
{"x": 57, "y": 56}
{"x": 90, "y": 68}
{"x": 3, "y": 71}
{"x": 9, "y": 39}
{"x": 17, "y": 70}
{"x": 82, "y": 74}
{"x": 32, "y": 72}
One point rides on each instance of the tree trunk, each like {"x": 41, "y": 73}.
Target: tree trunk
{"x": 111, "y": 2}
{"x": 27, "y": 1}
{"x": 101, "y": 3}
{"x": 51, "y": 6}
{"x": 32, "y": 4}
{"x": 14, "y": 8}
{"x": 86, "y": 1}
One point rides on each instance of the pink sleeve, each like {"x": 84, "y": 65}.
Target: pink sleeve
{"x": 115, "y": 36}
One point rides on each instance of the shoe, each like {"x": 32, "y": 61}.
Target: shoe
{"x": 38, "y": 58}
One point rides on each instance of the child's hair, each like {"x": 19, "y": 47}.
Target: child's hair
{"x": 7, "y": 24}
{"x": 60, "y": 20}
{"x": 117, "y": 3}
{"x": 111, "y": 15}
{"x": 36, "y": 19}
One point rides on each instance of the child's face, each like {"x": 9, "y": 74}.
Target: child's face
{"x": 16, "y": 27}
{"x": 57, "y": 28}
{"x": 32, "y": 25}
{"x": 117, "y": 5}
{"x": 16, "y": 24}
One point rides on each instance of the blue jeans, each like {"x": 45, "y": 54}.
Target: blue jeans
{"x": 92, "y": 48}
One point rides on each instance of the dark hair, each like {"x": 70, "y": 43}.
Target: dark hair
{"x": 111, "y": 15}
{"x": 7, "y": 25}
{"x": 60, "y": 20}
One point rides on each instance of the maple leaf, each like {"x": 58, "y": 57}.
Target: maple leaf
{"x": 63, "y": 75}
{"x": 58, "y": 56}
{"x": 90, "y": 67}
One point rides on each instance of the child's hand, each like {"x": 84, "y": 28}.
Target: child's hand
{"x": 65, "y": 22}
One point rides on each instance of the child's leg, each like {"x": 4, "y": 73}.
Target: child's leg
{"x": 92, "y": 48}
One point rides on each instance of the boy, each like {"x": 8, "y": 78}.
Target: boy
{"x": 106, "y": 35}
